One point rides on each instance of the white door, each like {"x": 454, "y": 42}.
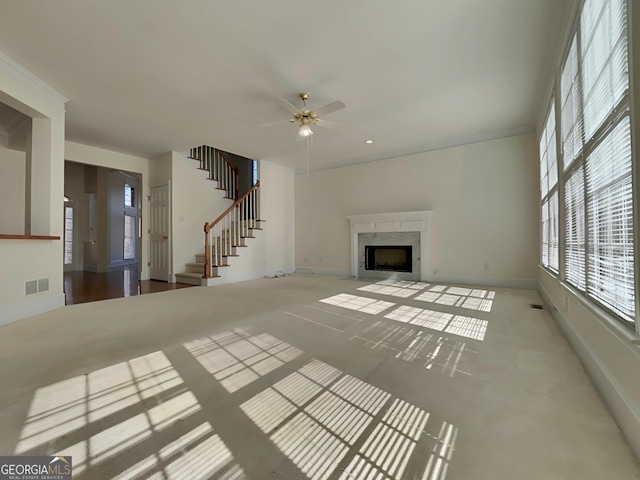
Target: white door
{"x": 159, "y": 233}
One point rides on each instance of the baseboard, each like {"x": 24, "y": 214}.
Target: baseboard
{"x": 35, "y": 306}
{"x": 445, "y": 279}
{"x": 526, "y": 283}
{"x": 336, "y": 272}
{"x": 622, "y": 407}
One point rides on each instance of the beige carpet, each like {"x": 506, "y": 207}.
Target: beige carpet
{"x": 307, "y": 377}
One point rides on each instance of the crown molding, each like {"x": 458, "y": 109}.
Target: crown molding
{"x": 274, "y": 166}
{"x": 430, "y": 147}
{"x": 22, "y": 75}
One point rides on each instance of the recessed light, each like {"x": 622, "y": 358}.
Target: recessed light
{"x": 368, "y": 142}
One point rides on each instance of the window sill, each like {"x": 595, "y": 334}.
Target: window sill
{"x": 615, "y": 326}
{"x": 4, "y": 236}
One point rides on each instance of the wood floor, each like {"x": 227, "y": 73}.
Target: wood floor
{"x": 83, "y": 287}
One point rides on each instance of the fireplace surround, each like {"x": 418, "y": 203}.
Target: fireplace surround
{"x": 409, "y": 230}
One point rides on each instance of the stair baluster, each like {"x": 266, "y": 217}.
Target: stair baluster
{"x": 230, "y": 229}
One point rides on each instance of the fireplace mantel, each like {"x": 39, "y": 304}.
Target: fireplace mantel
{"x": 393, "y": 222}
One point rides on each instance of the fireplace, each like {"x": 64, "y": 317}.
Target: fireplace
{"x": 387, "y": 231}
{"x": 388, "y": 258}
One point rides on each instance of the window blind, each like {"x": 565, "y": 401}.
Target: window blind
{"x": 605, "y": 72}
{"x": 545, "y": 234}
{"x": 610, "y": 222}
{"x": 597, "y": 159}
{"x": 554, "y": 262}
{"x": 549, "y": 192}
{"x": 574, "y": 229}
{"x": 571, "y": 106}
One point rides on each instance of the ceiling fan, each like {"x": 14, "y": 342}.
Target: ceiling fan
{"x": 306, "y": 118}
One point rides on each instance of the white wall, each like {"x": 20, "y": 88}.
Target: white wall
{"x": 25, "y": 260}
{"x": 12, "y": 186}
{"x": 484, "y": 199}
{"x": 100, "y": 157}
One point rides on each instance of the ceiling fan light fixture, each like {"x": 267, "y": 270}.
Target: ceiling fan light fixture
{"x": 305, "y": 130}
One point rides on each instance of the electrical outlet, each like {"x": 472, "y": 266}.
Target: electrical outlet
{"x": 306, "y": 259}
{"x": 486, "y": 266}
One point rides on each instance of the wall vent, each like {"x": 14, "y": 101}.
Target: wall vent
{"x": 43, "y": 285}
{"x": 537, "y": 306}
{"x": 31, "y": 287}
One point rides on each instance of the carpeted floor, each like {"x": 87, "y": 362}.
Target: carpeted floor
{"x": 307, "y": 377}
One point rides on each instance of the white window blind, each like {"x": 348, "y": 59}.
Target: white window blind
{"x": 571, "y": 105}
{"x": 610, "y": 222}
{"x": 605, "y": 72}
{"x": 554, "y": 233}
{"x": 545, "y": 234}
{"x": 597, "y": 159}
{"x": 574, "y": 229}
{"x": 549, "y": 192}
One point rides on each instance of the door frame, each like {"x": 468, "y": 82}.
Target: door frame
{"x": 169, "y": 259}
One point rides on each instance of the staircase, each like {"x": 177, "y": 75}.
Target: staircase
{"x": 226, "y": 236}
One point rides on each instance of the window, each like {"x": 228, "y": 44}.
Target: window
{"x": 129, "y": 196}
{"x": 597, "y": 162}
{"x": 68, "y": 233}
{"x": 129, "y": 237}
{"x": 549, "y": 192}
{"x": 254, "y": 172}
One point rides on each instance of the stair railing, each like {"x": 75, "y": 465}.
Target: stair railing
{"x": 228, "y": 230}
{"x": 213, "y": 161}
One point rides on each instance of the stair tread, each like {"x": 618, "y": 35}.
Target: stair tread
{"x": 189, "y": 274}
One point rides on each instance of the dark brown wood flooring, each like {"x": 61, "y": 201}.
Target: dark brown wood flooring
{"x": 83, "y": 287}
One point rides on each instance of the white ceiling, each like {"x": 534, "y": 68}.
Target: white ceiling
{"x": 150, "y": 76}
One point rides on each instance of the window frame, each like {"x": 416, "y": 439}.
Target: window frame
{"x": 612, "y": 120}
{"x": 545, "y": 198}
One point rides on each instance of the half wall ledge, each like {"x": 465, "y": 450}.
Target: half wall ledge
{"x": 4, "y": 236}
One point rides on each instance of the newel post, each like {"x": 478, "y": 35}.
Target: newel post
{"x": 207, "y": 252}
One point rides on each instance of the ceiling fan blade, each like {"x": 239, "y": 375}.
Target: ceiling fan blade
{"x": 277, "y": 122}
{"x": 286, "y": 104}
{"x": 331, "y": 125}
{"x": 330, "y": 107}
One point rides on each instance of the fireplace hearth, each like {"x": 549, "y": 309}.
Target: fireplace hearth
{"x": 388, "y": 258}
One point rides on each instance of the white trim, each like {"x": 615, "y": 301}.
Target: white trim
{"x": 274, "y": 166}
{"x": 18, "y": 311}
{"x": 419, "y": 221}
{"x": 333, "y": 272}
{"x": 16, "y": 71}
{"x": 430, "y": 147}
{"x": 524, "y": 283}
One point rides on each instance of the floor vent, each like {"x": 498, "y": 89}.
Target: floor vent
{"x": 537, "y": 306}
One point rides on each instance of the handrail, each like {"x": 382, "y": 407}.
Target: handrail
{"x": 219, "y": 168}
{"x": 233, "y": 167}
{"x": 209, "y": 226}
{"x": 235, "y": 170}
{"x": 229, "y": 230}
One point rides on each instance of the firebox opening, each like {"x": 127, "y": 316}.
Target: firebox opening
{"x": 388, "y": 258}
